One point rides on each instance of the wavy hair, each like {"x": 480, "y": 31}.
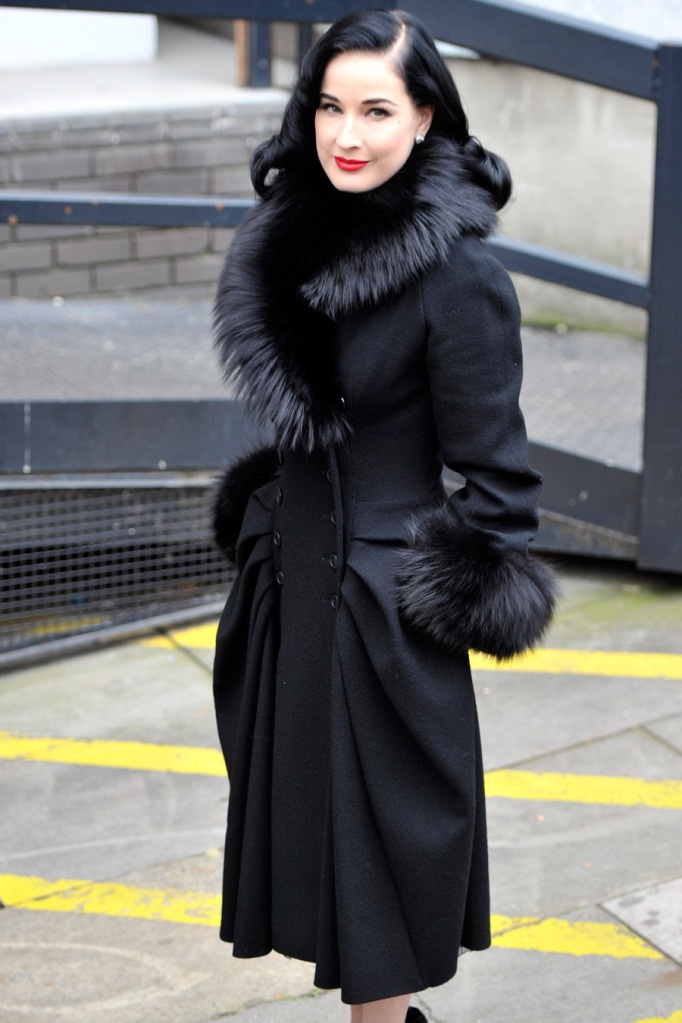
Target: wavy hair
{"x": 427, "y": 81}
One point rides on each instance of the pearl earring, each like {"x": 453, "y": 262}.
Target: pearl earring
{"x": 418, "y": 140}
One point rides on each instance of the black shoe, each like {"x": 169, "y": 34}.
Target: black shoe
{"x": 415, "y": 1016}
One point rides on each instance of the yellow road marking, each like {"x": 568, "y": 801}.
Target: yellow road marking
{"x": 110, "y": 899}
{"x": 198, "y": 637}
{"x": 134, "y": 756}
{"x": 675, "y": 1018}
{"x": 46, "y": 627}
{"x": 69, "y": 895}
{"x": 584, "y": 788}
{"x": 567, "y": 937}
{"x": 531, "y": 785}
{"x": 609, "y": 663}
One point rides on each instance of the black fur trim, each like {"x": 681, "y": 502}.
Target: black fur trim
{"x": 233, "y": 490}
{"x": 471, "y": 590}
{"x": 376, "y": 243}
{"x": 309, "y": 254}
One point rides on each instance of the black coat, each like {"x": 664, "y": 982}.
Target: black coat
{"x": 379, "y": 338}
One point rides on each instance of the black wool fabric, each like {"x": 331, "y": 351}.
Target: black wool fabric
{"x": 379, "y": 338}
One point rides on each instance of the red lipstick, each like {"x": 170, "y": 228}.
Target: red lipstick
{"x": 350, "y": 165}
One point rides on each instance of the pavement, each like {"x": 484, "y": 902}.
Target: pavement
{"x": 114, "y": 801}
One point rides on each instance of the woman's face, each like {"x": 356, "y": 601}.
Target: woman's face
{"x": 365, "y": 123}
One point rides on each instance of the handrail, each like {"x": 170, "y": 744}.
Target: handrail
{"x": 546, "y": 40}
{"x": 126, "y": 210}
{"x": 120, "y": 209}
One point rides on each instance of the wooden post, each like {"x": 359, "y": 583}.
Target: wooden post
{"x": 242, "y": 51}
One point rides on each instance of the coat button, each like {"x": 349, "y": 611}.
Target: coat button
{"x": 277, "y": 538}
{"x": 334, "y": 602}
{"x": 279, "y": 495}
{"x": 342, "y": 401}
{"x": 333, "y": 560}
{"x": 280, "y": 456}
{"x": 332, "y": 518}
{"x": 280, "y": 577}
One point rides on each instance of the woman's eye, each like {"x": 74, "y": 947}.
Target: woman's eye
{"x": 331, "y": 107}
{"x": 379, "y": 112}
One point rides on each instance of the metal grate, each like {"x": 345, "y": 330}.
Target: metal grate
{"x": 85, "y": 555}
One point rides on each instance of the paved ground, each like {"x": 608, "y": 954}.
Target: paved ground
{"x": 114, "y": 800}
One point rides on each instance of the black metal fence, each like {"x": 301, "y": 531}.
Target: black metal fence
{"x": 644, "y": 508}
{"x": 93, "y": 554}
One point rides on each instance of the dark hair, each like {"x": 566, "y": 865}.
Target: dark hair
{"x": 427, "y": 81}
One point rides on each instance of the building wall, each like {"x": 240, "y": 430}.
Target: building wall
{"x": 183, "y": 153}
{"x": 582, "y": 160}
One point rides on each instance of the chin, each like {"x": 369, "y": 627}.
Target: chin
{"x": 351, "y": 186}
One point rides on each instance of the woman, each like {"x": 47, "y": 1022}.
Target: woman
{"x": 367, "y": 325}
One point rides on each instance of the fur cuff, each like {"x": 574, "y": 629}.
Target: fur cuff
{"x": 470, "y": 590}
{"x": 233, "y": 490}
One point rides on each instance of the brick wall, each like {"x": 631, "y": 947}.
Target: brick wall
{"x": 194, "y": 152}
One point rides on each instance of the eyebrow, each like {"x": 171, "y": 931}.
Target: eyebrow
{"x": 379, "y": 99}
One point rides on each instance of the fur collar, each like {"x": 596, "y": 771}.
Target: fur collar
{"x": 309, "y": 255}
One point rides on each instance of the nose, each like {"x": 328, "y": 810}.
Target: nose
{"x": 349, "y": 136}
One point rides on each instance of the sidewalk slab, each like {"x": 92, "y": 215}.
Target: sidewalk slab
{"x": 669, "y": 730}
{"x": 103, "y": 970}
{"x": 66, "y": 820}
{"x": 126, "y": 690}
{"x": 94, "y": 823}
{"x": 614, "y": 607}
{"x": 529, "y": 716}
{"x": 549, "y": 857}
{"x": 656, "y": 914}
{"x": 498, "y": 986}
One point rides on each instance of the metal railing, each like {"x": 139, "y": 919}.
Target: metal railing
{"x": 645, "y": 507}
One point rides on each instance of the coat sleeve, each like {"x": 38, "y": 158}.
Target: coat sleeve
{"x": 467, "y": 578}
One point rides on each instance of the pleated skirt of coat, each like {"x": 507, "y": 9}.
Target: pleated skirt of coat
{"x": 356, "y": 834}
